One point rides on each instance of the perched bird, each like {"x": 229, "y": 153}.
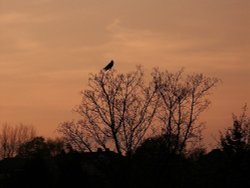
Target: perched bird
{"x": 109, "y": 66}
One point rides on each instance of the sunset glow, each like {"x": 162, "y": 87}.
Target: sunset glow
{"x": 49, "y": 47}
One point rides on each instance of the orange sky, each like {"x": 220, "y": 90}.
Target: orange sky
{"x": 49, "y": 47}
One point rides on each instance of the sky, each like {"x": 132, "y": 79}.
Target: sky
{"x": 48, "y": 48}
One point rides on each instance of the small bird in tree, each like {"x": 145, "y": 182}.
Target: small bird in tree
{"x": 109, "y": 66}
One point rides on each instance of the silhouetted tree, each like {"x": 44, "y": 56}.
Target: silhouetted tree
{"x": 236, "y": 139}
{"x": 56, "y": 146}
{"x": 37, "y": 147}
{"x": 75, "y": 136}
{"x": 182, "y": 100}
{"x": 159, "y": 146}
{"x": 11, "y": 137}
{"x": 117, "y": 111}
{"x": 196, "y": 153}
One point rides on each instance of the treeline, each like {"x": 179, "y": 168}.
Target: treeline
{"x": 51, "y": 163}
{"x": 131, "y": 133}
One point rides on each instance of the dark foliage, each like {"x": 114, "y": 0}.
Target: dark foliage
{"x": 152, "y": 165}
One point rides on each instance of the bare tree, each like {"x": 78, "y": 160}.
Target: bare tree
{"x": 75, "y": 135}
{"x": 11, "y": 137}
{"x": 117, "y": 111}
{"x": 183, "y": 99}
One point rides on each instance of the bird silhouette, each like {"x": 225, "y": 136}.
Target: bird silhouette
{"x": 109, "y": 66}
